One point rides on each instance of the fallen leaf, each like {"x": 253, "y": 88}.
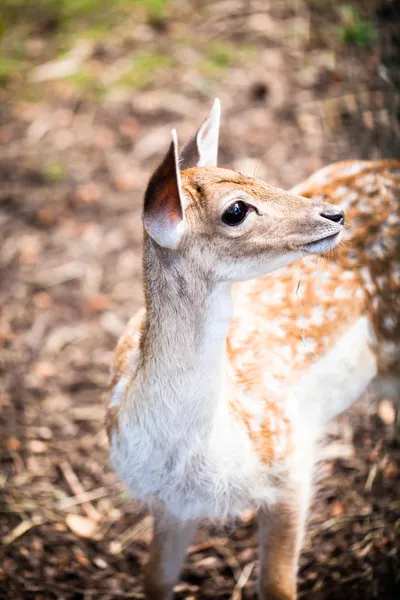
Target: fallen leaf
{"x": 6, "y": 333}
{"x": 100, "y": 563}
{"x": 87, "y": 193}
{"x": 29, "y": 248}
{"x": 98, "y": 303}
{"x": 13, "y": 444}
{"x": 44, "y": 370}
{"x": 42, "y": 300}
{"x": 45, "y": 216}
{"x": 125, "y": 182}
{"x": 391, "y": 471}
{"x": 386, "y": 412}
{"x": 45, "y": 433}
{"x": 81, "y": 558}
{"x": 37, "y": 447}
{"x": 336, "y": 508}
{"x": 81, "y": 526}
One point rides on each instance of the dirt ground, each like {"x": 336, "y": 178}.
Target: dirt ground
{"x": 75, "y": 155}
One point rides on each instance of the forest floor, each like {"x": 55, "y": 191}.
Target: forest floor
{"x": 86, "y": 109}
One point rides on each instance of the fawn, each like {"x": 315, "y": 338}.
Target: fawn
{"x": 222, "y": 384}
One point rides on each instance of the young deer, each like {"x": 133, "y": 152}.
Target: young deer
{"x": 219, "y": 391}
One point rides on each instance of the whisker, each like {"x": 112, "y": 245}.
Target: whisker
{"x": 305, "y": 343}
{"x": 302, "y": 257}
{"x": 256, "y": 170}
{"x": 297, "y": 289}
{"x": 303, "y": 332}
{"x": 301, "y": 309}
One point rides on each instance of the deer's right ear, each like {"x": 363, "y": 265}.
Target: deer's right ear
{"x": 202, "y": 149}
{"x": 163, "y": 216}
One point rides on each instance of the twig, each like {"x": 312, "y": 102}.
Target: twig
{"x": 371, "y": 478}
{"x": 21, "y": 529}
{"x": 82, "y": 498}
{"x": 241, "y": 582}
{"x": 78, "y": 490}
{"x": 230, "y": 558}
{"x": 130, "y": 535}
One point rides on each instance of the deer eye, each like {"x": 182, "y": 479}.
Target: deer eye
{"x": 235, "y": 214}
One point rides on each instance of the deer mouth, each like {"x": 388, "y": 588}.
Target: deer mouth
{"x": 321, "y": 245}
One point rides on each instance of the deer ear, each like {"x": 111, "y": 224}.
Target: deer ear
{"x": 164, "y": 201}
{"x": 202, "y": 149}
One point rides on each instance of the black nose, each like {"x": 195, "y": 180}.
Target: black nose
{"x": 334, "y": 214}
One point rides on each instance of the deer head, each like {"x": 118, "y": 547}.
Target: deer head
{"x": 230, "y": 226}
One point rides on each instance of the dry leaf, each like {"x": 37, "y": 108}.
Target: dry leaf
{"x": 100, "y": 563}
{"x": 42, "y": 300}
{"x": 336, "y": 508}
{"x": 125, "y": 182}
{"x": 87, "y": 193}
{"x": 386, "y": 412}
{"x": 391, "y": 471}
{"x": 81, "y": 526}
{"x": 81, "y": 558}
{"x": 98, "y": 303}
{"x": 29, "y": 248}
{"x": 44, "y": 370}
{"x": 13, "y": 444}
{"x": 37, "y": 447}
{"x": 6, "y": 333}
{"x": 45, "y": 216}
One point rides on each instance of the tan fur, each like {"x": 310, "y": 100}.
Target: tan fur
{"x": 127, "y": 345}
{"x": 168, "y": 546}
{"x": 280, "y": 543}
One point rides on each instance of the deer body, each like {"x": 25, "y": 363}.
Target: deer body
{"x": 222, "y": 384}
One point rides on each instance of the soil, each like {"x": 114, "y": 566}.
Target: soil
{"x": 73, "y": 169}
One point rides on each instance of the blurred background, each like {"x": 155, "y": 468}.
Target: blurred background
{"x": 89, "y": 91}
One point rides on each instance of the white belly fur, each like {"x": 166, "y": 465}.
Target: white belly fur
{"x": 339, "y": 378}
{"x": 214, "y": 478}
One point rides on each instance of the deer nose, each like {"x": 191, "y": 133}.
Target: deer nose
{"x": 333, "y": 214}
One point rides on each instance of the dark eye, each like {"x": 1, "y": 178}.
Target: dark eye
{"x": 235, "y": 214}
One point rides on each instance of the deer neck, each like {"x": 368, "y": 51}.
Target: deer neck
{"x": 184, "y": 336}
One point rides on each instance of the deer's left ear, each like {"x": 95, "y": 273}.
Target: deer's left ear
{"x": 202, "y": 149}
{"x": 164, "y": 201}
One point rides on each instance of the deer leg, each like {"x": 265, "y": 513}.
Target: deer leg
{"x": 281, "y": 537}
{"x": 167, "y": 551}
